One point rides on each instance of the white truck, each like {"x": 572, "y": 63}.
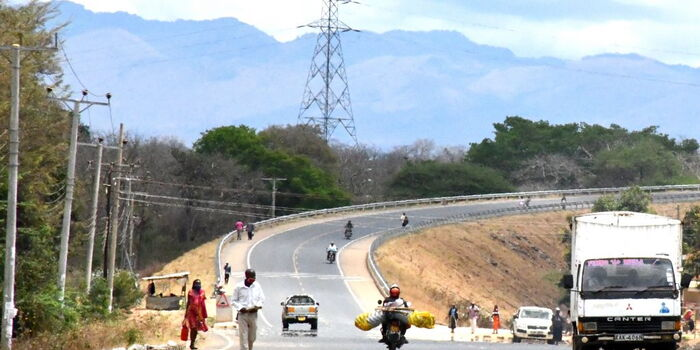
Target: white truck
{"x": 625, "y": 281}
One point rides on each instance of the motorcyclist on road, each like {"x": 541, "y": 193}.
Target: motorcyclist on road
{"x": 348, "y": 228}
{"x": 394, "y": 300}
{"x": 331, "y": 248}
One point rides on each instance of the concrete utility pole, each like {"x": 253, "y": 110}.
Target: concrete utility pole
{"x": 9, "y": 310}
{"x": 274, "y": 189}
{"x": 70, "y": 185}
{"x": 114, "y": 219}
{"x": 93, "y": 211}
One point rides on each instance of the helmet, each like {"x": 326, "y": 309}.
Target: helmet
{"x": 394, "y": 291}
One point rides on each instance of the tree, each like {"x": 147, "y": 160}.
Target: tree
{"x": 433, "y": 179}
{"x": 307, "y": 185}
{"x": 632, "y": 199}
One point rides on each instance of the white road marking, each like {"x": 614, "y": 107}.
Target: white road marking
{"x": 342, "y": 274}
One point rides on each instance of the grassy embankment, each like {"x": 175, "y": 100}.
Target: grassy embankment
{"x": 509, "y": 262}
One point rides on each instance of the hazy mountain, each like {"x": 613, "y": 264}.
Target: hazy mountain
{"x": 180, "y": 78}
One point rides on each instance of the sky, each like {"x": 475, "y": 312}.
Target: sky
{"x": 666, "y": 30}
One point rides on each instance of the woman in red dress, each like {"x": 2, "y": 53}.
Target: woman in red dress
{"x": 196, "y": 312}
{"x": 496, "y": 319}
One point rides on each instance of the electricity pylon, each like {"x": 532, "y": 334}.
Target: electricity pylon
{"x": 326, "y": 101}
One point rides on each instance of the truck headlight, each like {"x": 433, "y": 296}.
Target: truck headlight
{"x": 670, "y": 325}
{"x": 589, "y": 326}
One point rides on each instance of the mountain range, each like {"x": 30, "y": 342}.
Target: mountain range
{"x": 183, "y": 77}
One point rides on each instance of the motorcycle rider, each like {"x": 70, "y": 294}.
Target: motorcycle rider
{"x": 348, "y": 227}
{"x": 394, "y": 300}
{"x": 331, "y": 248}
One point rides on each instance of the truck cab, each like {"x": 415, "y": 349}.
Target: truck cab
{"x": 625, "y": 281}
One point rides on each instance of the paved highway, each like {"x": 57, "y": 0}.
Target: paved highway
{"x": 294, "y": 262}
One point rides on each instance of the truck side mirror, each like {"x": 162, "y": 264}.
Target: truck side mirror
{"x": 685, "y": 280}
{"x": 567, "y": 281}
{"x": 282, "y": 303}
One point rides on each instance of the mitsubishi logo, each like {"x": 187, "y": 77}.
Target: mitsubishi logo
{"x": 629, "y": 307}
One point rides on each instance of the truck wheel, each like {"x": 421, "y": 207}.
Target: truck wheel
{"x": 314, "y": 324}
{"x": 285, "y": 325}
{"x": 516, "y": 339}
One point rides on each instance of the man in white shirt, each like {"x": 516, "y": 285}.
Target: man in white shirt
{"x": 247, "y": 298}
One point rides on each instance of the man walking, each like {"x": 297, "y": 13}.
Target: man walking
{"x": 227, "y": 272}
{"x": 473, "y": 313}
{"x": 250, "y": 228}
{"x": 247, "y": 298}
{"x": 239, "y": 229}
{"x": 453, "y": 316}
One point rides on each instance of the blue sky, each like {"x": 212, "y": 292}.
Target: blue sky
{"x": 666, "y": 30}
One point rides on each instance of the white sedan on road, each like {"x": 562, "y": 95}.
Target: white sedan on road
{"x": 532, "y": 322}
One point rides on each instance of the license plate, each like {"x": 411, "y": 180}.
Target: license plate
{"x": 629, "y": 337}
{"x": 301, "y": 318}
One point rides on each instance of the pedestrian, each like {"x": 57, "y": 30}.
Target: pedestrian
{"x": 453, "y": 316}
{"x": 250, "y": 228}
{"x": 247, "y": 298}
{"x": 527, "y": 202}
{"x": 152, "y": 289}
{"x": 496, "y": 317}
{"x": 239, "y": 229}
{"x": 563, "y": 202}
{"x": 473, "y": 314}
{"x": 195, "y": 312}
{"x": 404, "y": 220}
{"x": 689, "y": 318}
{"x": 569, "y": 329}
{"x": 557, "y": 326}
{"x": 227, "y": 272}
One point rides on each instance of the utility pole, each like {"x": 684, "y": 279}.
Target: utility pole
{"x": 70, "y": 185}
{"x": 326, "y": 100}
{"x": 93, "y": 210}
{"x": 114, "y": 219}
{"x": 274, "y": 189}
{"x": 9, "y": 310}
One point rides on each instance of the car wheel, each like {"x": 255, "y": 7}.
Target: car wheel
{"x": 314, "y": 324}
{"x": 516, "y": 339}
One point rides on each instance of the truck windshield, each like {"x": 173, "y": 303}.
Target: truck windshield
{"x": 640, "y": 276}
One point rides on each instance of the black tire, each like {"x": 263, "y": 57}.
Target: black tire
{"x": 314, "y": 324}
{"x": 550, "y": 342}
{"x": 516, "y": 339}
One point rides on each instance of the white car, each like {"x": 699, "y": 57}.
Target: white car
{"x": 532, "y": 322}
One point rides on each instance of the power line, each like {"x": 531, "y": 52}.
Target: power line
{"x": 233, "y": 204}
{"x": 213, "y": 210}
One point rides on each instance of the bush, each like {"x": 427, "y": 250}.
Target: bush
{"x": 126, "y": 290}
{"x": 633, "y": 199}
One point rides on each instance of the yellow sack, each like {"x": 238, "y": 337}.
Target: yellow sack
{"x": 422, "y": 319}
{"x": 368, "y": 320}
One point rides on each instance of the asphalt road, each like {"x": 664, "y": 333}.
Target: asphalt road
{"x": 294, "y": 262}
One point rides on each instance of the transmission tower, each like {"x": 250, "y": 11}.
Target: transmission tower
{"x": 326, "y": 101}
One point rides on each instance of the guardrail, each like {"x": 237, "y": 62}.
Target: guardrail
{"x": 439, "y": 200}
{"x": 387, "y": 235}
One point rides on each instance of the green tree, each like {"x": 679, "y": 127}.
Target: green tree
{"x": 433, "y": 179}
{"x": 632, "y": 199}
{"x": 307, "y": 185}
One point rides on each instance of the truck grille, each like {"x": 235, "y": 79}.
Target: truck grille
{"x": 605, "y": 326}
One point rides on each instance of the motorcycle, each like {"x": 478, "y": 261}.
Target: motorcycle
{"x": 330, "y": 257}
{"x": 395, "y": 321}
{"x": 348, "y": 233}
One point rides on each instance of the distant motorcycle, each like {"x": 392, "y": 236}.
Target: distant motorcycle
{"x": 330, "y": 257}
{"x": 396, "y": 319}
{"x": 348, "y": 233}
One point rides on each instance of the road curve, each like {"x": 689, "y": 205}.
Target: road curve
{"x": 294, "y": 262}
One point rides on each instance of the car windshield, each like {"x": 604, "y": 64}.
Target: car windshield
{"x": 638, "y": 274}
{"x": 543, "y": 314}
{"x": 300, "y": 299}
